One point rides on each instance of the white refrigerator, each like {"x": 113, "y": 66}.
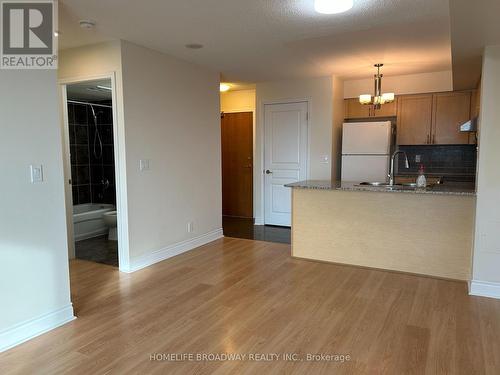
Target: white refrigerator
{"x": 366, "y": 148}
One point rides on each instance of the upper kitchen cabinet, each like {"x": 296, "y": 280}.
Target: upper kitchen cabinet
{"x": 386, "y": 110}
{"x": 414, "y": 119}
{"x": 354, "y": 109}
{"x": 450, "y": 110}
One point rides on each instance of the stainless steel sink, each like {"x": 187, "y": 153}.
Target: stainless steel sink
{"x": 388, "y": 186}
{"x": 381, "y": 184}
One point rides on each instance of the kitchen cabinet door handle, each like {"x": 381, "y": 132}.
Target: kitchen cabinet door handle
{"x": 428, "y": 139}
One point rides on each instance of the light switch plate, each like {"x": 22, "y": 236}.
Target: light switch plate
{"x": 144, "y": 165}
{"x": 36, "y": 172}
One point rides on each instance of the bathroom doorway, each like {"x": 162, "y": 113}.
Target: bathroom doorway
{"x": 89, "y": 127}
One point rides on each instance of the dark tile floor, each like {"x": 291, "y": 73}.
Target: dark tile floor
{"x": 98, "y": 249}
{"x": 244, "y": 228}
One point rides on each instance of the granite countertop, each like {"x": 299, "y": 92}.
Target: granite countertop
{"x": 447, "y": 188}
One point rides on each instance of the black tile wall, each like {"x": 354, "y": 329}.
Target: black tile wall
{"x": 444, "y": 160}
{"x": 91, "y": 172}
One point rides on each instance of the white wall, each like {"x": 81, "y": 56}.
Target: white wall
{"x": 88, "y": 62}
{"x": 172, "y": 118}
{"x": 169, "y": 114}
{"x": 486, "y": 269}
{"x": 34, "y": 281}
{"x": 240, "y": 100}
{"x": 319, "y": 92}
{"x": 400, "y": 85}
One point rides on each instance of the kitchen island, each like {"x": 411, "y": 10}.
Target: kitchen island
{"x": 421, "y": 231}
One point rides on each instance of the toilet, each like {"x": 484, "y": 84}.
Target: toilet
{"x": 110, "y": 220}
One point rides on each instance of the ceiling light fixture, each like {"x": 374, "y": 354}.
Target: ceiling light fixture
{"x": 224, "y": 87}
{"x": 87, "y": 24}
{"x": 332, "y": 6}
{"x": 378, "y": 98}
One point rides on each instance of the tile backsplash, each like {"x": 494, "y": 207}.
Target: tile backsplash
{"x": 444, "y": 160}
{"x": 87, "y": 171}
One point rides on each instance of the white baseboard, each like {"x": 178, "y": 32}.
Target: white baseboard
{"x": 484, "y": 289}
{"x": 172, "y": 250}
{"x": 34, "y": 327}
{"x": 259, "y": 221}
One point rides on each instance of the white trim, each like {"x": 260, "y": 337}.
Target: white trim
{"x": 259, "y": 220}
{"x": 29, "y": 329}
{"x": 119, "y": 157}
{"x": 172, "y": 250}
{"x": 484, "y": 289}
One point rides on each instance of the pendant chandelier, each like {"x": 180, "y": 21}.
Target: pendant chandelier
{"x": 378, "y": 98}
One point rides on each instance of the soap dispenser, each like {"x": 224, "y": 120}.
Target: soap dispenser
{"x": 421, "y": 180}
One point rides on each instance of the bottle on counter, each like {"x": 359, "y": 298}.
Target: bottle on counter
{"x": 421, "y": 180}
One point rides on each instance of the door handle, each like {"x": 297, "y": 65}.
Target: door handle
{"x": 268, "y": 171}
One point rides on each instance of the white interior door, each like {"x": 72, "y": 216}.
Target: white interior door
{"x": 285, "y": 158}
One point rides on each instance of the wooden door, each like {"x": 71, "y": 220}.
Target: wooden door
{"x": 450, "y": 111}
{"x": 237, "y": 164}
{"x": 354, "y": 109}
{"x": 285, "y": 158}
{"x": 414, "y": 119}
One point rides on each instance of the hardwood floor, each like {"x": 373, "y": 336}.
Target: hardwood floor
{"x": 242, "y": 296}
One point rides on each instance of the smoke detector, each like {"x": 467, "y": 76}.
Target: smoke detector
{"x": 194, "y": 46}
{"x": 87, "y": 24}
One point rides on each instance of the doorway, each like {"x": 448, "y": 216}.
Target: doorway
{"x": 90, "y": 170}
{"x": 285, "y": 157}
{"x": 237, "y": 164}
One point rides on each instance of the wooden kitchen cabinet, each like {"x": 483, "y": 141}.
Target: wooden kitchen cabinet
{"x": 433, "y": 118}
{"x": 450, "y": 110}
{"x": 354, "y": 109}
{"x": 414, "y": 119}
{"x": 386, "y": 110}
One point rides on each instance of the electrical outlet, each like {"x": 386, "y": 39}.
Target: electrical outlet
{"x": 418, "y": 158}
{"x": 190, "y": 227}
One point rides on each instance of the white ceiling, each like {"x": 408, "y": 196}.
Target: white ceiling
{"x": 259, "y": 40}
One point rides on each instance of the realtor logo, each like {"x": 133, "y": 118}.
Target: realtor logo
{"x": 28, "y": 35}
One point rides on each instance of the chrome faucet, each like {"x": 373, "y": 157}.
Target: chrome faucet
{"x": 391, "y": 173}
